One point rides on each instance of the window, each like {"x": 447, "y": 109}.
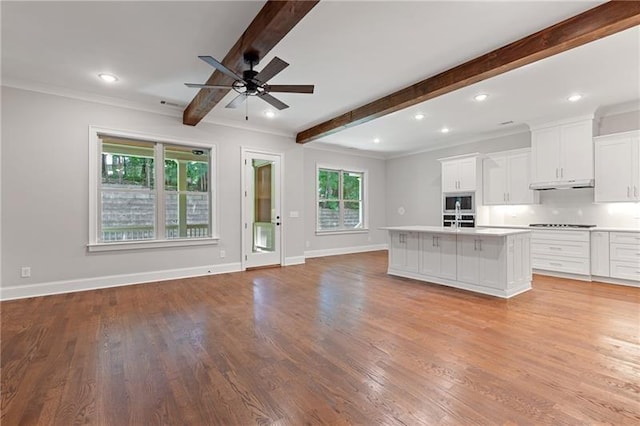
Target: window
{"x": 137, "y": 201}
{"x": 341, "y": 200}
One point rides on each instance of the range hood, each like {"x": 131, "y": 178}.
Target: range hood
{"x": 572, "y": 184}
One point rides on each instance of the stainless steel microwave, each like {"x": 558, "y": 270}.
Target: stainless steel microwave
{"x": 467, "y": 202}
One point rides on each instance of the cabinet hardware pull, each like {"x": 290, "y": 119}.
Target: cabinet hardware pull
{"x": 555, "y": 264}
{"x": 556, "y": 172}
{"x": 628, "y": 191}
{"x": 475, "y": 245}
{"x": 508, "y": 196}
{"x": 555, "y": 248}
{"x": 433, "y": 241}
{"x": 437, "y": 241}
{"x": 504, "y": 196}
{"x": 561, "y": 171}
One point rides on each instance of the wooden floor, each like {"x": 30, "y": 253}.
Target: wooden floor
{"x": 335, "y": 341}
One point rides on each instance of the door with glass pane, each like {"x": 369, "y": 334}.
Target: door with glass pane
{"x": 261, "y": 225}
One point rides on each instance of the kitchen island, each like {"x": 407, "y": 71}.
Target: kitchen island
{"x": 491, "y": 261}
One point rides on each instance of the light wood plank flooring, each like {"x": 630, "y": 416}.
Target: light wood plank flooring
{"x": 335, "y": 341}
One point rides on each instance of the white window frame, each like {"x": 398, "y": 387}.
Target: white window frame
{"x": 365, "y": 200}
{"x": 95, "y": 152}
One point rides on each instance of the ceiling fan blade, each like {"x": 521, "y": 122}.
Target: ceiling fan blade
{"x": 206, "y": 86}
{"x": 289, "y": 88}
{"x": 274, "y": 67}
{"x": 276, "y": 103}
{"x": 237, "y": 101}
{"x": 218, "y": 65}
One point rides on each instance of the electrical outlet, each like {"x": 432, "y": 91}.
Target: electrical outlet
{"x": 307, "y": 244}
{"x": 223, "y": 253}
{"x": 25, "y": 272}
{"x": 294, "y": 213}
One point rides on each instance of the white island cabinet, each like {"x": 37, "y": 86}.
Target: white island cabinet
{"x": 487, "y": 260}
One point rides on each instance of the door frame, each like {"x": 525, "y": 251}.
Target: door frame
{"x": 244, "y": 151}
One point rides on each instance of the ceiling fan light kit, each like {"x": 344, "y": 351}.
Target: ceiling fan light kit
{"x": 254, "y": 83}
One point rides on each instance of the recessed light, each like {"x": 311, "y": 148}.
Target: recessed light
{"x": 109, "y": 78}
{"x": 419, "y": 116}
{"x": 444, "y": 130}
{"x": 574, "y": 98}
{"x": 376, "y": 140}
{"x": 481, "y": 97}
{"x": 269, "y": 114}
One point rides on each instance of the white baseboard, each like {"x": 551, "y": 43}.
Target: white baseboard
{"x": 294, "y": 260}
{"x": 84, "y": 284}
{"x": 562, "y": 275}
{"x": 345, "y": 250}
{"x": 617, "y": 281}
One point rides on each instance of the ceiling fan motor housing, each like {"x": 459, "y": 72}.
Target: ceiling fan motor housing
{"x": 249, "y": 78}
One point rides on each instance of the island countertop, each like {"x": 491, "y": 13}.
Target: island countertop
{"x": 496, "y": 232}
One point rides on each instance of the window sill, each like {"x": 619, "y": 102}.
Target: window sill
{"x": 141, "y": 245}
{"x": 345, "y": 231}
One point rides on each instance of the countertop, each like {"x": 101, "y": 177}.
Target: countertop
{"x": 496, "y": 232}
{"x": 597, "y": 228}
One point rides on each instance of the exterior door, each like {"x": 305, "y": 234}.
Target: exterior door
{"x": 261, "y": 225}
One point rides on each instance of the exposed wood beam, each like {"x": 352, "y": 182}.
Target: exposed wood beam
{"x": 596, "y": 23}
{"x": 270, "y": 26}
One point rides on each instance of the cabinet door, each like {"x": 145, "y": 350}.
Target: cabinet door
{"x": 576, "y": 151}
{"x": 430, "y": 255}
{"x": 519, "y": 178}
{"x": 468, "y": 261}
{"x": 467, "y": 174}
{"x": 450, "y": 176}
{"x": 494, "y": 171}
{"x": 614, "y": 170}
{"x": 490, "y": 258}
{"x": 448, "y": 255}
{"x": 398, "y": 253}
{"x": 545, "y": 151}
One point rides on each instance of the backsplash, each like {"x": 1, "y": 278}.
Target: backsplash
{"x": 564, "y": 206}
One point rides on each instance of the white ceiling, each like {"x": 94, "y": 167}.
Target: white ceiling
{"x": 354, "y": 52}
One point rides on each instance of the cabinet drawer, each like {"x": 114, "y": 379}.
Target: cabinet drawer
{"x": 568, "y": 265}
{"x": 625, "y": 270}
{"x": 560, "y": 235}
{"x": 625, "y": 238}
{"x": 560, "y": 248}
{"x": 626, "y": 252}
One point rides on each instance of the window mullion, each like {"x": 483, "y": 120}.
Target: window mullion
{"x": 160, "y": 193}
{"x": 341, "y": 197}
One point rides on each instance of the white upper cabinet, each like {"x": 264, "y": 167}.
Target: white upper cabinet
{"x": 506, "y": 178}
{"x": 618, "y": 167}
{"x": 562, "y": 152}
{"x": 460, "y": 174}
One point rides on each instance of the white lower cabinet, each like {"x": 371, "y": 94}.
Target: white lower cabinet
{"x": 439, "y": 255}
{"x": 498, "y": 265}
{"x": 624, "y": 254}
{"x": 562, "y": 251}
{"x": 479, "y": 261}
{"x": 405, "y": 251}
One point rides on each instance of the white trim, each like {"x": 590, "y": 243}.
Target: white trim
{"x": 244, "y": 151}
{"x": 616, "y": 281}
{"x": 325, "y": 146}
{"x": 151, "y": 244}
{"x": 345, "y": 231}
{"x": 166, "y": 110}
{"x": 160, "y": 141}
{"x": 519, "y": 129}
{"x": 365, "y": 197}
{"x": 461, "y": 156}
{"x": 84, "y": 284}
{"x": 345, "y": 250}
{"x": 562, "y": 275}
{"x": 294, "y": 260}
{"x": 541, "y": 124}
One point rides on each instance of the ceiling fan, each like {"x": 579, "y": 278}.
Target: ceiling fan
{"x": 254, "y": 83}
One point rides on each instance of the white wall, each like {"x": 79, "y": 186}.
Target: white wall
{"x": 376, "y": 201}
{"x": 45, "y": 189}
{"x": 414, "y": 181}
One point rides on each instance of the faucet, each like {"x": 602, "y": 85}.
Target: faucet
{"x": 458, "y": 216}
